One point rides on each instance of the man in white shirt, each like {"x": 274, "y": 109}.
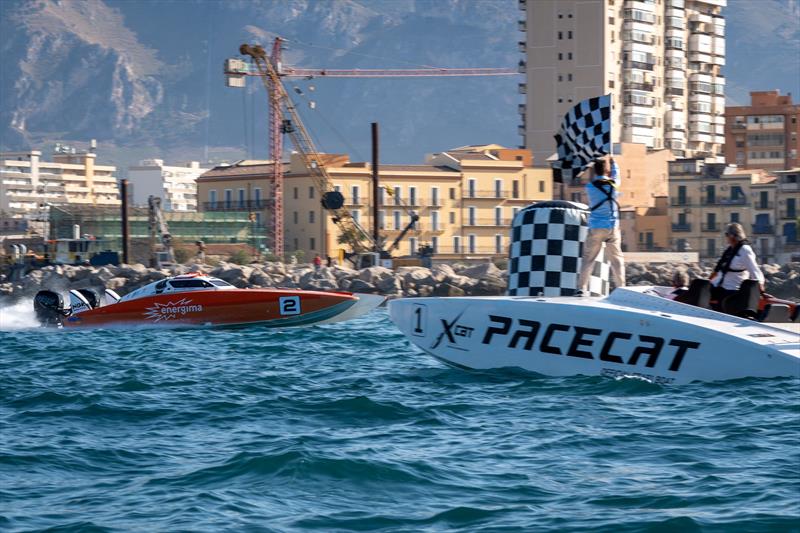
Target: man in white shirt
{"x": 738, "y": 263}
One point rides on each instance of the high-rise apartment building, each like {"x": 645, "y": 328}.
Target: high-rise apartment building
{"x": 765, "y": 134}
{"x": 660, "y": 59}
{"x": 175, "y": 184}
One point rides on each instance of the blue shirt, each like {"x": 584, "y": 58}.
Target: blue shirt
{"x": 606, "y": 216}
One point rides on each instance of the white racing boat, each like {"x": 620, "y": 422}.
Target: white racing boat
{"x": 633, "y": 332}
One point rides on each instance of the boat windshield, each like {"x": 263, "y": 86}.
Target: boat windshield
{"x": 220, "y": 283}
{"x": 189, "y": 283}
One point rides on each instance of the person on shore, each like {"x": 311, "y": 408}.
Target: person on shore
{"x": 329, "y": 261}
{"x": 201, "y": 251}
{"x": 603, "y": 191}
{"x": 317, "y": 262}
{"x": 738, "y": 263}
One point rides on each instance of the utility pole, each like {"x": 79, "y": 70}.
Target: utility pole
{"x": 375, "y": 188}
{"x": 123, "y": 191}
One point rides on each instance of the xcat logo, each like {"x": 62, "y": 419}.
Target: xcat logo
{"x": 451, "y": 331}
{"x": 170, "y": 310}
{"x": 587, "y": 343}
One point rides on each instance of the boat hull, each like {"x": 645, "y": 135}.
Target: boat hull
{"x": 592, "y": 336}
{"x": 269, "y": 307}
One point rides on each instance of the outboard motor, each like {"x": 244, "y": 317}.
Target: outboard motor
{"x": 78, "y": 303}
{"x": 91, "y": 296}
{"x": 50, "y": 308}
{"x": 547, "y": 249}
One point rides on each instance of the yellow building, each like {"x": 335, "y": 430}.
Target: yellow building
{"x": 646, "y": 229}
{"x": 465, "y": 198}
{"x": 704, "y": 197}
{"x": 787, "y": 199}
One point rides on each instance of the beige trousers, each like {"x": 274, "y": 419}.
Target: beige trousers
{"x": 591, "y": 249}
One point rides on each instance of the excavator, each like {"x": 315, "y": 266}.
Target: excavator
{"x": 161, "y": 251}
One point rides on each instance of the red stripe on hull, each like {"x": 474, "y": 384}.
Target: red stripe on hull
{"x": 197, "y": 308}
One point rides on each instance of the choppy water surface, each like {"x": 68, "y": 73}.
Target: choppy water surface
{"x": 346, "y": 427}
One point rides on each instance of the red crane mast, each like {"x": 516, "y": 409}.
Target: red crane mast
{"x": 270, "y": 69}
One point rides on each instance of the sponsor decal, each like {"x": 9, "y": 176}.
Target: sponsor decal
{"x": 586, "y": 343}
{"x": 451, "y": 331}
{"x": 170, "y": 310}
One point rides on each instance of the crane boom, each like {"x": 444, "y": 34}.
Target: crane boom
{"x": 292, "y": 72}
{"x": 353, "y": 232}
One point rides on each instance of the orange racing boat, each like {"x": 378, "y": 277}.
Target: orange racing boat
{"x": 199, "y": 300}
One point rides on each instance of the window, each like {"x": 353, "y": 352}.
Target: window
{"x": 569, "y": 55}
{"x": 312, "y": 243}
{"x": 452, "y": 193}
{"x": 560, "y": 77}
{"x": 560, "y": 56}
{"x": 398, "y": 193}
{"x": 560, "y": 35}
{"x": 311, "y": 217}
{"x": 356, "y": 214}
{"x": 471, "y": 188}
{"x": 569, "y": 77}
{"x": 295, "y": 193}
{"x": 296, "y": 217}
{"x": 472, "y": 241}
{"x": 452, "y": 217}
{"x": 435, "y": 244}
{"x": 296, "y": 244}
{"x": 355, "y": 190}
{"x": 228, "y": 198}
{"x": 498, "y": 188}
{"x": 515, "y": 189}
{"x": 381, "y": 196}
{"x": 498, "y": 216}
{"x": 241, "y": 197}
{"x": 471, "y": 215}
{"x": 412, "y": 196}
{"x": 396, "y": 217}
{"x": 734, "y": 217}
{"x": 541, "y": 186}
{"x": 337, "y": 188}
{"x": 435, "y": 220}
{"x": 257, "y": 196}
{"x": 434, "y": 195}
{"x": 456, "y": 244}
{"x": 381, "y": 219}
{"x": 212, "y": 199}
{"x": 498, "y": 244}
{"x": 311, "y": 192}
{"x": 569, "y": 34}
{"x": 412, "y": 245}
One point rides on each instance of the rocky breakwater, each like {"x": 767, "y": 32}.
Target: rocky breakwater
{"x": 484, "y": 279}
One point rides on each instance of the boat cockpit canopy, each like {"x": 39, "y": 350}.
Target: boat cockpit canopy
{"x": 178, "y": 284}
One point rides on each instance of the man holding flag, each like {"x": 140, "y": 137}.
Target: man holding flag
{"x": 583, "y": 141}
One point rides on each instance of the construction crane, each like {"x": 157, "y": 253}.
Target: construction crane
{"x": 271, "y": 69}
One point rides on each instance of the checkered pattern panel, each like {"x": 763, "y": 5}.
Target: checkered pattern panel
{"x": 546, "y": 247}
{"x": 585, "y": 135}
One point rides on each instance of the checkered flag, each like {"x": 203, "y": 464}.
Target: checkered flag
{"x": 585, "y": 135}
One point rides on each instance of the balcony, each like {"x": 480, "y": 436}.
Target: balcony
{"x": 681, "y": 228}
{"x": 724, "y": 201}
{"x": 488, "y": 195}
{"x": 639, "y": 86}
{"x": 738, "y": 126}
{"x": 680, "y": 202}
{"x": 764, "y": 205}
{"x": 788, "y": 215}
{"x": 638, "y": 65}
{"x": 247, "y": 205}
{"x": 674, "y": 91}
{"x": 712, "y": 227}
{"x": 763, "y": 230}
{"x": 488, "y": 222}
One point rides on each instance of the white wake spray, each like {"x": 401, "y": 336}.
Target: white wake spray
{"x": 19, "y": 315}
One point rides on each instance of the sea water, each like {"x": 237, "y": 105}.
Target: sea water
{"x": 347, "y": 427}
